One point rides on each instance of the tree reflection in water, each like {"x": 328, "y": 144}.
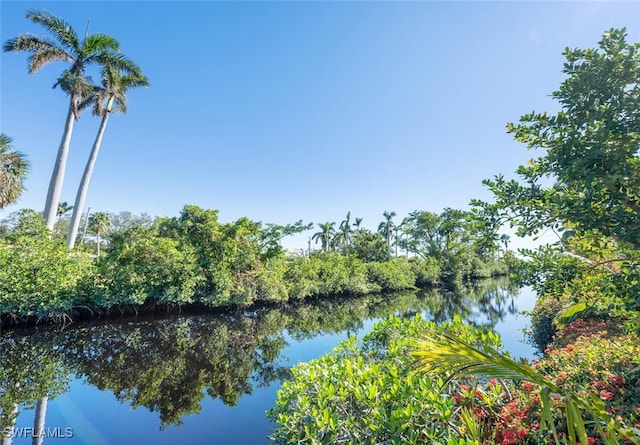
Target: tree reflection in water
{"x": 168, "y": 365}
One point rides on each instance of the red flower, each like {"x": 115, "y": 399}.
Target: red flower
{"x": 615, "y": 379}
{"x": 527, "y": 386}
{"x": 606, "y": 395}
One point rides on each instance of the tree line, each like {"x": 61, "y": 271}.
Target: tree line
{"x": 194, "y": 258}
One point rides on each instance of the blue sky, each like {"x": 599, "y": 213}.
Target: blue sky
{"x": 282, "y": 111}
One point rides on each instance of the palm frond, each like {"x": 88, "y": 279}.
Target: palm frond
{"x": 116, "y": 60}
{"x": 13, "y": 170}
{"x": 28, "y": 42}
{"x": 446, "y": 354}
{"x": 62, "y": 30}
{"x": 99, "y": 43}
{"x": 571, "y": 312}
{"x": 40, "y": 58}
{"x": 5, "y": 142}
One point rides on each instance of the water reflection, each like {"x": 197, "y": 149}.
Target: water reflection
{"x": 170, "y": 365}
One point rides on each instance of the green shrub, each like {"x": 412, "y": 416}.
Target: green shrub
{"x": 301, "y": 278}
{"x": 368, "y": 394}
{"x": 264, "y": 283}
{"x": 327, "y": 274}
{"x": 427, "y": 271}
{"x": 392, "y": 275}
{"x": 39, "y": 276}
{"x": 543, "y": 314}
{"x": 141, "y": 267}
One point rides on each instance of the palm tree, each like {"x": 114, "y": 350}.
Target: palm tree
{"x": 405, "y": 228}
{"x": 386, "y": 228}
{"x": 505, "y": 240}
{"x": 357, "y": 224}
{"x": 344, "y": 232}
{"x": 396, "y": 239}
{"x": 114, "y": 86}
{"x": 99, "y": 223}
{"x": 66, "y": 47}
{"x": 63, "y": 208}
{"x": 324, "y": 235}
{"x": 13, "y": 171}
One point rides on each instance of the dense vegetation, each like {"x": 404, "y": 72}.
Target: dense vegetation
{"x": 195, "y": 259}
{"x": 373, "y": 394}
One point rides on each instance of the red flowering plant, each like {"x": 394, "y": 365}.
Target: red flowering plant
{"x": 591, "y": 358}
{"x": 585, "y": 390}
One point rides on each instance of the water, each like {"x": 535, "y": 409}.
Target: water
{"x": 206, "y": 378}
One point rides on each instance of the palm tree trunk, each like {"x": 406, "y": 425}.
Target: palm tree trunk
{"x": 84, "y": 183}
{"x": 396, "y": 236}
{"x": 57, "y": 176}
{"x": 98, "y": 243}
{"x": 38, "y": 422}
{"x": 86, "y": 224}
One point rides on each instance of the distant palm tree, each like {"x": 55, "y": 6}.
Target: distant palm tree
{"x": 325, "y": 235}
{"x": 114, "y": 86}
{"x": 337, "y": 240}
{"x": 13, "y": 171}
{"x": 99, "y": 224}
{"x": 405, "y": 228}
{"x": 386, "y": 228}
{"x": 67, "y": 47}
{"x": 395, "y": 241}
{"x": 357, "y": 224}
{"x": 505, "y": 240}
{"x": 344, "y": 230}
{"x": 63, "y": 207}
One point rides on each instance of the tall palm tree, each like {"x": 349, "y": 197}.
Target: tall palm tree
{"x": 99, "y": 223}
{"x": 110, "y": 97}
{"x": 387, "y": 227}
{"x": 13, "y": 171}
{"x": 324, "y": 235}
{"x": 66, "y": 46}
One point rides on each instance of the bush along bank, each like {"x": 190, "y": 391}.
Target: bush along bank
{"x": 192, "y": 260}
